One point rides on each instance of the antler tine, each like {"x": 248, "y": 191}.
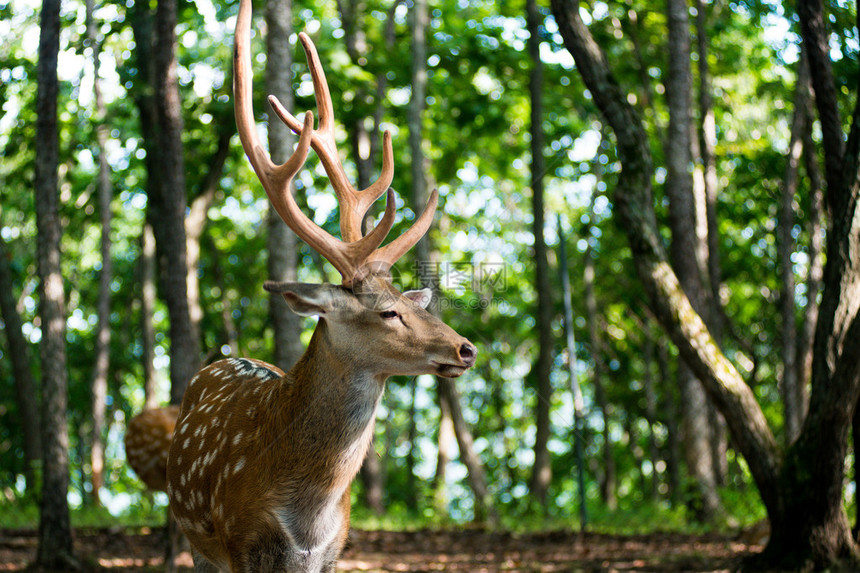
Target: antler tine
{"x": 384, "y": 258}
{"x": 353, "y": 203}
{"x": 347, "y": 258}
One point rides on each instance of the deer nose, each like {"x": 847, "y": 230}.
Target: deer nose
{"x": 468, "y": 352}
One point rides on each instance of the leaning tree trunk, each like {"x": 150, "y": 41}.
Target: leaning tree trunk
{"x": 195, "y": 224}
{"x": 802, "y": 495}
{"x": 542, "y": 469}
{"x": 55, "y": 533}
{"x": 484, "y": 508}
{"x": 634, "y": 205}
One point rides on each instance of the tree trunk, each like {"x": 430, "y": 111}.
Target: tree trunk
{"x": 704, "y": 145}
{"x": 708, "y": 144}
{"x": 575, "y": 390}
{"x": 484, "y": 508}
{"x": 608, "y": 485}
{"x": 360, "y": 142}
{"x": 168, "y": 203}
{"x": 817, "y": 529}
{"x": 281, "y": 243}
{"x": 542, "y": 469}
{"x": 444, "y": 439}
{"x": 670, "y": 418}
{"x": 147, "y": 308}
{"x": 785, "y": 248}
{"x": 99, "y": 383}
{"x": 651, "y": 414}
{"x": 195, "y": 224}
{"x": 55, "y": 533}
{"x": 25, "y": 386}
{"x": 411, "y": 435}
{"x": 231, "y": 331}
{"x": 418, "y": 25}
{"x": 815, "y": 274}
{"x": 688, "y": 254}
{"x": 141, "y": 19}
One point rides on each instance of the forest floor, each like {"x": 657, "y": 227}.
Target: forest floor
{"x": 430, "y": 550}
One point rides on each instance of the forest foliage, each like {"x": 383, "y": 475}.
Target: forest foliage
{"x": 477, "y": 154}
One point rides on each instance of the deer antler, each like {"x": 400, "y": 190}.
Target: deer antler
{"x": 355, "y": 256}
{"x": 353, "y": 203}
{"x": 347, "y": 258}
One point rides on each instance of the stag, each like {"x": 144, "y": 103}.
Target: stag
{"x": 261, "y": 463}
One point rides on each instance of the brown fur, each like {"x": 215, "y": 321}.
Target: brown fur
{"x": 147, "y": 439}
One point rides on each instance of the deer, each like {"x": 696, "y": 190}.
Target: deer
{"x": 147, "y": 441}
{"x": 262, "y": 460}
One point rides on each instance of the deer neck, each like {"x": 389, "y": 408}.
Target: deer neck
{"x": 336, "y": 399}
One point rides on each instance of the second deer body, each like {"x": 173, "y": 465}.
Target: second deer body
{"x": 261, "y": 461}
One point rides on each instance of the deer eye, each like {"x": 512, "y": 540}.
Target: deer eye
{"x": 388, "y": 314}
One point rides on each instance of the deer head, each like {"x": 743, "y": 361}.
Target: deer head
{"x": 385, "y": 331}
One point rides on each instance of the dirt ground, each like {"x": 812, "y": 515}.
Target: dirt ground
{"x": 426, "y": 551}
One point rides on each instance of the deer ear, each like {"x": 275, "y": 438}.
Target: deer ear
{"x": 420, "y": 297}
{"x": 304, "y": 299}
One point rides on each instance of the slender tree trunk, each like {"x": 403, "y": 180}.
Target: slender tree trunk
{"x": 687, "y": 256}
{"x": 281, "y": 243}
{"x": 195, "y": 225}
{"x": 704, "y": 143}
{"x": 168, "y": 203}
{"x": 785, "y": 248}
{"x": 99, "y": 383}
{"x": 444, "y": 439}
{"x": 418, "y": 25}
{"x": 55, "y": 533}
{"x": 428, "y": 274}
{"x": 360, "y": 141}
{"x": 542, "y": 469}
{"x": 708, "y": 138}
{"x": 670, "y": 418}
{"x": 575, "y": 390}
{"x": 411, "y": 435}
{"x": 231, "y": 331}
{"x": 25, "y": 386}
{"x": 356, "y": 47}
{"x": 141, "y": 19}
{"x": 608, "y": 484}
{"x": 815, "y": 274}
{"x": 651, "y": 415}
{"x": 147, "y": 308}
